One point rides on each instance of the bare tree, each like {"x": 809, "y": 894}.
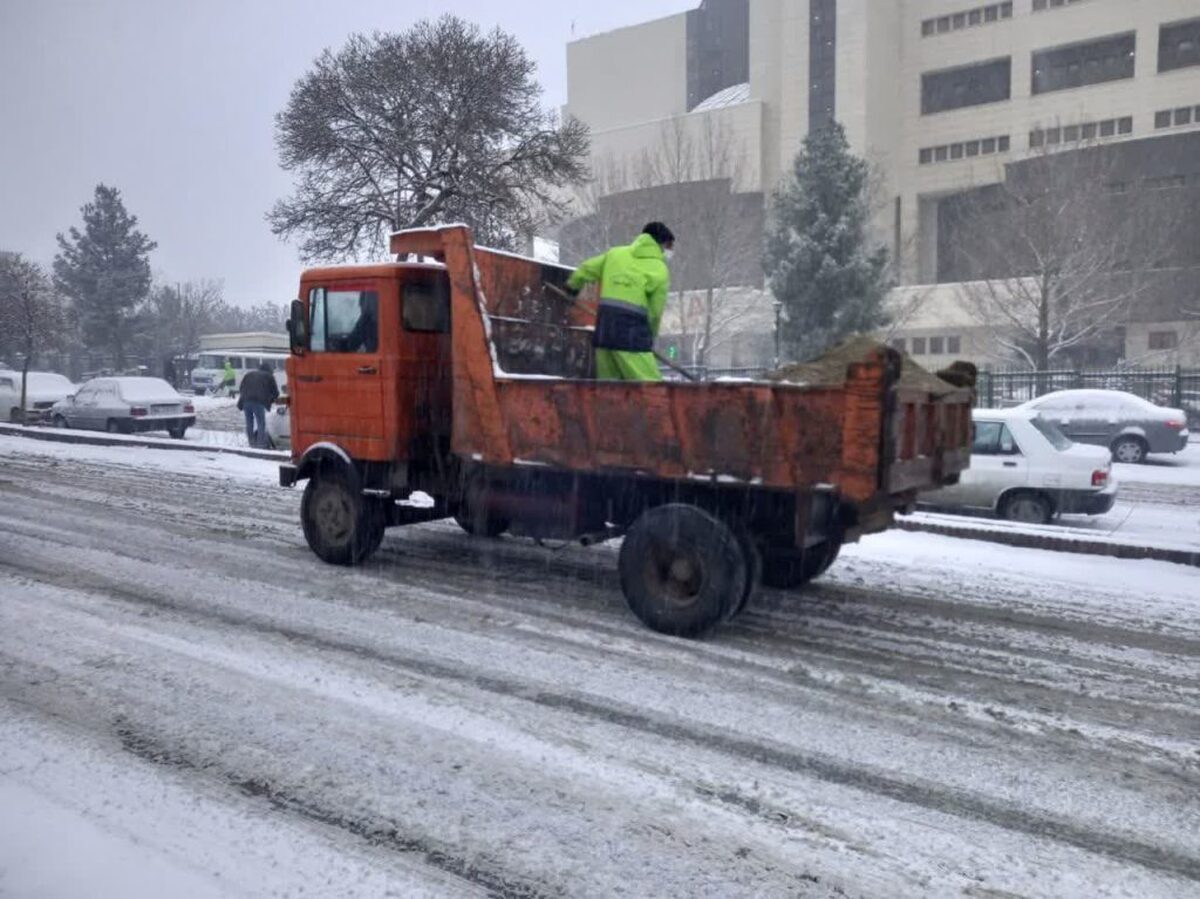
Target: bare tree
{"x": 30, "y": 311}
{"x": 1058, "y": 254}
{"x": 177, "y": 314}
{"x": 439, "y": 123}
{"x": 690, "y": 178}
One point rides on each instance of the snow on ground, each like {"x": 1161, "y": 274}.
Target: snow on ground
{"x": 218, "y": 465}
{"x": 182, "y": 683}
{"x": 1133, "y": 523}
{"x": 1163, "y": 468}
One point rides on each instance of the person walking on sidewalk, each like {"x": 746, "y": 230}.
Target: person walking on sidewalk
{"x": 255, "y": 398}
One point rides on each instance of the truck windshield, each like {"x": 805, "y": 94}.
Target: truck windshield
{"x": 1050, "y": 431}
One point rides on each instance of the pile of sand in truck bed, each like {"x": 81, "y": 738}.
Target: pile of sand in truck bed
{"x": 830, "y": 368}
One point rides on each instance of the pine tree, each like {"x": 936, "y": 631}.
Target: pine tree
{"x": 820, "y": 265}
{"x": 105, "y": 272}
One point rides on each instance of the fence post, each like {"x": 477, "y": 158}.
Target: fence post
{"x": 991, "y": 390}
{"x": 1177, "y": 392}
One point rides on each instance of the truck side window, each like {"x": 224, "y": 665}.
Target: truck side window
{"x": 343, "y": 321}
{"x": 426, "y": 305}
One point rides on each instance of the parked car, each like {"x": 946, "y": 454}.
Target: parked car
{"x": 1024, "y": 469}
{"x": 125, "y": 405}
{"x": 279, "y": 427}
{"x": 1128, "y": 425}
{"x": 45, "y": 389}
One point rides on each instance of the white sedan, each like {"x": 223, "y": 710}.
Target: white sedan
{"x": 1024, "y": 469}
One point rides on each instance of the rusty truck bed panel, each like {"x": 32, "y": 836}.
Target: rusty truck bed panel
{"x": 866, "y": 436}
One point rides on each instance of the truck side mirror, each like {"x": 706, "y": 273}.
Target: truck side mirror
{"x": 297, "y": 327}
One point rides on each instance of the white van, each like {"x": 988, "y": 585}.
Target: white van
{"x": 209, "y": 373}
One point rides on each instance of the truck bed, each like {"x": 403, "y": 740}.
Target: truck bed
{"x": 522, "y": 398}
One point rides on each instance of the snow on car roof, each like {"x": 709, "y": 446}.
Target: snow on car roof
{"x": 144, "y": 388}
{"x": 1002, "y": 414}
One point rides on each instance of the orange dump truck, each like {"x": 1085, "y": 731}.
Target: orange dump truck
{"x": 465, "y": 378}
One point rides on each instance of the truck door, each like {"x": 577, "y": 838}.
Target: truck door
{"x": 338, "y": 396}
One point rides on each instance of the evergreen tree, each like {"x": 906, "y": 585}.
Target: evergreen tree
{"x": 105, "y": 272}
{"x": 820, "y": 264}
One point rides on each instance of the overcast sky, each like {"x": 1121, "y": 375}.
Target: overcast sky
{"x": 173, "y": 102}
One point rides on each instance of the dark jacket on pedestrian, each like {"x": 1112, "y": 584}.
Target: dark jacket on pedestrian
{"x": 258, "y": 387}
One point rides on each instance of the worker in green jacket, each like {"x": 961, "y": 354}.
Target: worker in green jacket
{"x": 634, "y": 281}
{"x": 228, "y": 378}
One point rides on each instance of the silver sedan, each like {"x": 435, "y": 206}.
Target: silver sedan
{"x": 126, "y": 405}
{"x": 1128, "y": 425}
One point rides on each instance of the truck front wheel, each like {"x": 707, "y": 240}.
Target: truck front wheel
{"x": 341, "y": 527}
{"x": 683, "y": 571}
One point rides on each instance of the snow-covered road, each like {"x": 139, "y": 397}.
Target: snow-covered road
{"x": 200, "y": 707}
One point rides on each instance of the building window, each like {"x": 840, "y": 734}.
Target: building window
{"x": 953, "y": 345}
{"x": 1162, "y": 119}
{"x": 1037, "y": 138}
{"x": 1053, "y": 135}
{"x": 1179, "y": 45}
{"x": 898, "y": 344}
{"x": 943, "y": 24}
{"x": 965, "y": 150}
{"x": 822, "y": 63}
{"x": 1125, "y": 125}
{"x": 928, "y": 27}
{"x": 1077, "y": 65}
{"x": 1183, "y": 116}
{"x": 1163, "y": 340}
{"x": 918, "y": 346}
{"x": 973, "y": 85}
{"x": 936, "y": 346}
{"x": 1088, "y": 131}
{"x": 1070, "y": 134}
{"x": 1108, "y": 127}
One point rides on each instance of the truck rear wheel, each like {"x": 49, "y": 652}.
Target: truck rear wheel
{"x": 790, "y": 568}
{"x": 683, "y": 571}
{"x": 473, "y": 514}
{"x": 341, "y": 527}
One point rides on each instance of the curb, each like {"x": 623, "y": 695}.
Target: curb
{"x": 1057, "y": 544}
{"x": 56, "y": 436}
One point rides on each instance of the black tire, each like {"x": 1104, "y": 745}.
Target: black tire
{"x": 1027, "y": 507}
{"x": 754, "y": 569}
{"x": 473, "y": 515}
{"x": 787, "y": 569}
{"x": 683, "y": 571}
{"x": 1130, "y": 450}
{"x": 340, "y": 525}
{"x": 177, "y": 433}
{"x": 114, "y": 427}
{"x": 60, "y": 421}
{"x": 14, "y": 415}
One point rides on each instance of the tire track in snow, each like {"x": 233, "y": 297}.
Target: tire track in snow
{"x": 924, "y": 794}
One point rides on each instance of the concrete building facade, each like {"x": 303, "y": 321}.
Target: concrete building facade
{"x": 938, "y": 95}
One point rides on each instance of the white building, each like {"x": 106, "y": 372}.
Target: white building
{"x": 939, "y": 95}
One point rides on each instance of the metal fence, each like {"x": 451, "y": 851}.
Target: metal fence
{"x": 1178, "y": 388}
